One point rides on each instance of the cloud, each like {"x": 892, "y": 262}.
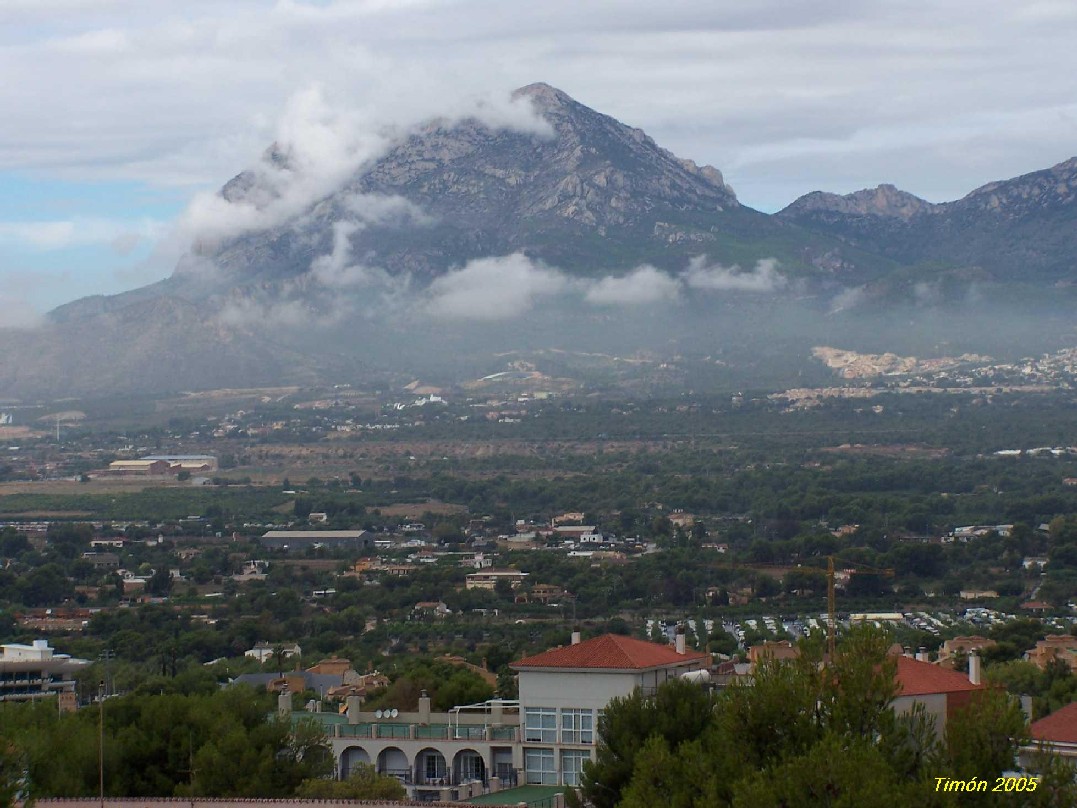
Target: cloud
{"x": 318, "y": 145}
{"x": 337, "y": 269}
{"x": 490, "y": 289}
{"x": 125, "y": 243}
{"x": 927, "y": 294}
{"x": 64, "y": 233}
{"x": 130, "y": 88}
{"x": 848, "y": 299}
{"x": 278, "y": 314}
{"x": 500, "y": 288}
{"x": 764, "y": 277}
{"x": 503, "y": 111}
{"x": 17, "y": 312}
{"x": 641, "y": 286}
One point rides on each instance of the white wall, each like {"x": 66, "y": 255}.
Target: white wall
{"x": 583, "y": 690}
{"x": 935, "y": 704}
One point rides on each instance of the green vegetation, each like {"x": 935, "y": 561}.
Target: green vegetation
{"x": 802, "y": 734}
{"x": 363, "y": 783}
{"x": 204, "y": 742}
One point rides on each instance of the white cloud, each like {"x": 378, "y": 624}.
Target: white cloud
{"x": 318, "y": 146}
{"x": 490, "y": 289}
{"x": 338, "y": 270}
{"x": 825, "y": 94}
{"x": 59, "y": 234}
{"x": 642, "y": 285}
{"x": 764, "y": 277}
{"x": 848, "y": 299}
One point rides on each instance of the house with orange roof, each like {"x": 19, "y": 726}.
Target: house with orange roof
{"x": 942, "y": 691}
{"x": 783, "y": 649}
{"x": 1055, "y": 734}
{"x": 563, "y": 690}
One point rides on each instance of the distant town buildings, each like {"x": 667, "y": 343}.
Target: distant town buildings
{"x": 1053, "y": 647}
{"x": 488, "y": 578}
{"x": 264, "y": 651}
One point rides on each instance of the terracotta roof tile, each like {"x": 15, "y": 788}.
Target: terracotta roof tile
{"x": 1058, "y": 727}
{"x": 916, "y": 678}
{"x": 611, "y": 652}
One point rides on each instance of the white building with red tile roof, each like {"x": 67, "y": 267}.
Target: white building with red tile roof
{"x": 543, "y": 738}
{"x": 1055, "y": 734}
{"x": 941, "y": 690}
{"x": 563, "y": 690}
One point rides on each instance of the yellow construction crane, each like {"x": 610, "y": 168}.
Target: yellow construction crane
{"x": 831, "y": 600}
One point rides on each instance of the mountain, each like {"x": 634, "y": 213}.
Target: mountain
{"x": 574, "y": 189}
{"x": 1022, "y": 230}
{"x": 589, "y": 195}
{"x": 328, "y": 281}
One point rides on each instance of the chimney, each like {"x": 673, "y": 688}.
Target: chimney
{"x": 284, "y": 702}
{"x": 679, "y": 639}
{"x": 424, "y": 708}
{"x": 576, "y": 636}
{"x": 921, "y": 655}
{"x": 355, "y": 704}
{"x": 1026, "y": 707}
{"x": 974, "y": 668}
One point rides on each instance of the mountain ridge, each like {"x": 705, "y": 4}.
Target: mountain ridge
{"x": 577, "y": 191}
{"x": 1015, "y": 230}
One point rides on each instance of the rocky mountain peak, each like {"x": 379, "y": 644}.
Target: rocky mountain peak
{"x": 543, "y": 95}
{"x": 884, "y": 200}
{"x": 1048, "y": 189}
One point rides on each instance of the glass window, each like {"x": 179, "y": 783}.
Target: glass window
{"x": 435, "y": 766}
{"x": 572, "y": 766}
{"x": 577, "y": 726}
{"x": 540, "y": 724}
{"x": 539, "y": 767}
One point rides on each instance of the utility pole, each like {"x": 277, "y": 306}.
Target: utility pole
{"x": 831, "y": 609}
{"x": 106, "y": 656}
{"x": 101, "y": 741}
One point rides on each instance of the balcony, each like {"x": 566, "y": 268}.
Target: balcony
{"x": 421, "y": 732}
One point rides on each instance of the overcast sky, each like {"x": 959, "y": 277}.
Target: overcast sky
{"x": 116, "y": 112}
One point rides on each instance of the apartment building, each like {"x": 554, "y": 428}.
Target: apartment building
{"x": 563, "y": 691}
{"x": 29, "y": 672}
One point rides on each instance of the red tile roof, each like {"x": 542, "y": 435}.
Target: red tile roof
{"x": 1058, "y": 727}
{"x": 917, "y": 678}
{"x": 611, "y": 652}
